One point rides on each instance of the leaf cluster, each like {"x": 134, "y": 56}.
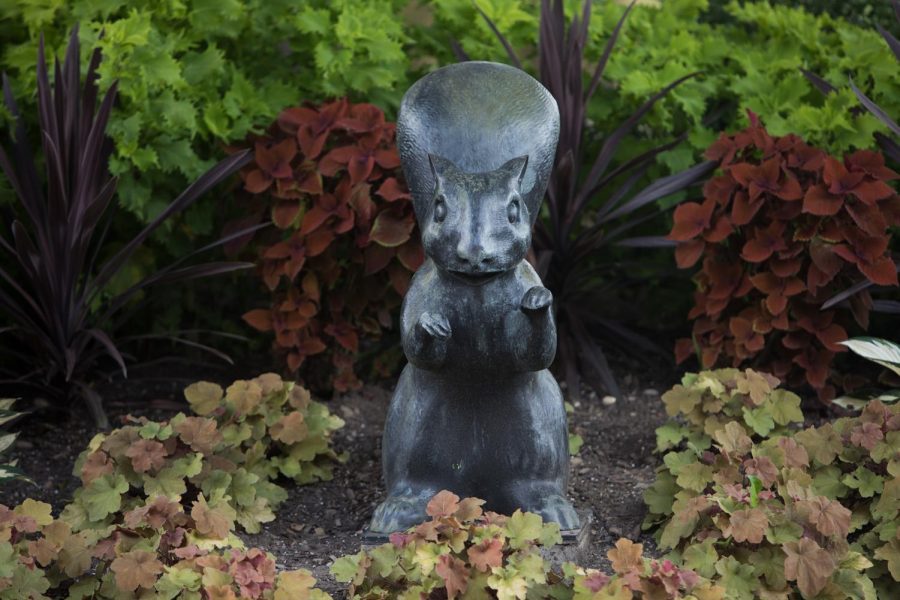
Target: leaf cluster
{"x": 814, "y": 510}
{"x": 159, "y": 503}
{"x": 782, "y": 230}
{"x": 470, "y": 554}
{"x": 192, "y": 75}
{"x": 156, "y": 552}
{"x": 347, "y": 241}
{"x": 707, "y": 402}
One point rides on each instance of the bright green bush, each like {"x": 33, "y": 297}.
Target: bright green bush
{"x": 198, "y": 73}
{"x": 753, "y": 61}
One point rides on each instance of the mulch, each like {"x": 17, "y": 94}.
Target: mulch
{"x": 323, "y": 521}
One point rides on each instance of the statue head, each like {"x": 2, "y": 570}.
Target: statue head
{"x": 477, "y": 142}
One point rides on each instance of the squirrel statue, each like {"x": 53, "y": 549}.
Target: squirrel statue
{"x": 476, "y": 411}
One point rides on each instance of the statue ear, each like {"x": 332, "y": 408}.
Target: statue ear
{"x": 516, "y": 168}
{"x": 439, "y": 166}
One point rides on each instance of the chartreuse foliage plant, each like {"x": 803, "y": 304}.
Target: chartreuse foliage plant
{"x": 782, "y": 229}
{"x": 194, "y": 74}
{"x": 345, "y": 243}
{"x": 156, "y": 552}
{"x": 752, "y": 61}
{"x": 160, "y": 502}
{"x": 783, "y": 511}
{"x": 464, "y": 552}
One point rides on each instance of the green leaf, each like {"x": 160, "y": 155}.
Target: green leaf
{"x": 864, "y": 481}
{"x": 103, "y": 496}
{"x": 522, "y": 528}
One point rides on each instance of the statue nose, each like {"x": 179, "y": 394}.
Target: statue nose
{"x": 474, "y": 255}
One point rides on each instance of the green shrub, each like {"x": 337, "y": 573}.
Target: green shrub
{"x": 753, "y": 61}
{"x": 817, "y": 507}
{"x": 463, "y": 552}
{"x": 198, "y": 73}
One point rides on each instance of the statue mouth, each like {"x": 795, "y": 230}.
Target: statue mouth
{"x": 475, "y": 278}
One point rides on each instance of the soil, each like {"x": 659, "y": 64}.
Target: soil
{"x": 323, "y": 521}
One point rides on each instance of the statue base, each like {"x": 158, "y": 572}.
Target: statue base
{"x": 574, "y": 546}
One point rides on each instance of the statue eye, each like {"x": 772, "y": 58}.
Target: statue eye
{"x": 440, "y": 209}
{"x": 512, "y": 211}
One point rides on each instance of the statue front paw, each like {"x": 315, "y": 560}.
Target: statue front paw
{"x": 537, "y": 299}
{"x": 435, "y": 325}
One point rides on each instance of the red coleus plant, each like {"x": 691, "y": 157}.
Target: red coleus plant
{"x": 346, "y": 242}
{"x": 780, "y": 230}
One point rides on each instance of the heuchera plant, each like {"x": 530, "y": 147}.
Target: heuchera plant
{"x": 464, "y": 552}
{"x": 330, "y": 178}
{"x": 155, "y": 553}
{"x": 157, "y": 510}
{"x": 779, "y": 231}
{"x": 785, "y": 504}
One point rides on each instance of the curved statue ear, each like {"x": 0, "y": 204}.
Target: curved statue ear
{"x": 439, "y": 166}
{"x": 516, "y": 168}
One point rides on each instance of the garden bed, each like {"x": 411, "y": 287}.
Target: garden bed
{"x": 323, "y": 521}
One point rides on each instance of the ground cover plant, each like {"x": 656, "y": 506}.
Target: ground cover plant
{"x": 755, "y": 500}
{"x": 347, "y": 241}
{"x": 779, "y": 232}
{"x": 465, "y": 552}
{"x": 577, "y": 229}
{"x": 56, "y": 291}
{"x": 160, "y": 501}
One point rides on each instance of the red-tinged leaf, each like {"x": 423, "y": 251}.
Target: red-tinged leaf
{"x": 284, "y": 213}
{"x": 363, "y": 118}
{"x": 871, "y": 191}
{"x": 818, "y": 201}
{"x": 259, "y": 318}
{"x": 411, "y": 255}
{"x": 749, "y": 525}
{"x": 871, "y": 163}
{"x": 400, "y": 278}
{"x": 360, "y": 167}
{"x": 839, "y": 180}
{"x": 486, "y": 555}
{"x": 869, "y": 218}
{"x": 721, "y": 230}
{"x": 764, "y": 243}
{"x": 146, "y": 455}
{"x": 688, "y": 253}
{"x": 816, "y": 364}
{"x": 318, "y": 241}
{"x": 691, "y": 219}
{"x": 866, "y": 435}
{"x": 391, "y": 228}
{"x": 785, "y": 267}
{"x": 337, "y": 159}
{"x": 443, "y": 504}
{"x": 275, "y": 159}
{"x": 720, "y": 189}
{"x": 136, "y": 569}
{"x": 361, "y": 203}
{"x": 345, "y": 334}
{"x": 742, "y": 210}
{"x": 831, "y": 337}
{"x": 830, "y": 517}
{"x": 809, "y": 565}
{"x": 377, "y": 257}
{"x": 314, "y": 218}
{"x": 684, "y": 349}
{"x": 387, "y": 158}
{"x": 291, "y": 119}
{"x": 392, "y": 190}
{"x": 455, "y": 574}
{"x": 256, "y": 182}
{"x": 881, "y": 271}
